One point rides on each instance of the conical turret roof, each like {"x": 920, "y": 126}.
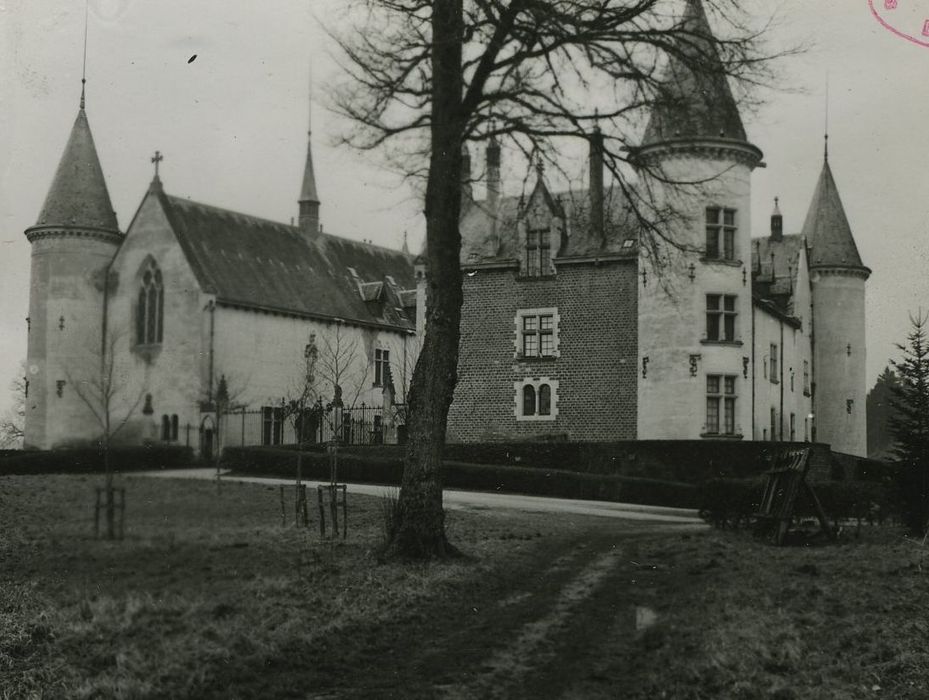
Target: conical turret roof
{"x": 696, "y": 100}
{"x": 308, "y": 191}
{"x": 826, "y": 228}
{"x": 78, "y": 196}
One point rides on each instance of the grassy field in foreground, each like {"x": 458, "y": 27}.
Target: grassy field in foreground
{"x": 209, "y": 596}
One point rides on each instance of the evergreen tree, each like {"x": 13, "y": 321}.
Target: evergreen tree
{"x": 880, "y": 415}
{"x": 911, "y": 426}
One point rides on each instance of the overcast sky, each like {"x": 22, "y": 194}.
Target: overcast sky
{"x": 232, "y": 127}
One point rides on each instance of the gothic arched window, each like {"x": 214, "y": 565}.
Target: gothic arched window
{"x": 528, "y": 400}
{"x": 545, "y": 400}
{"x": 150, "y": 307}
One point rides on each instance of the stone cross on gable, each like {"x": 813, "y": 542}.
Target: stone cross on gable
{"x": 156, "y": 159}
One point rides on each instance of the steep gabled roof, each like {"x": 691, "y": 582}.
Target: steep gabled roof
{"x": 826, "y": 228}
{"x": 696, "y": 100}
{"x": 494, "y": 235}
{"x": 775, "y": 265}
{"x": 78, "y": 195}
{"x": 264, "y": 264}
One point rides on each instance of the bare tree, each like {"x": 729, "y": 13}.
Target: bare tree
{"x": 425, "y": 77}
{"x": 342, "y": 365}
{"x": 301, "y": 406}
{"x": 106, "y": 395}
{"x": 13, "y": 420}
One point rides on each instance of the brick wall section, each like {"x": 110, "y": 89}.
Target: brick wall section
{"x": 596, "y": 369}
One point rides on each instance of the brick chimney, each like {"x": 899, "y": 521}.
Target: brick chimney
{"x": 493, "y": 173}
{"x": 596, "y": 183}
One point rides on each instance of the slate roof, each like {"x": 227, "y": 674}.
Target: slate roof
{"x": 264, "y": 264}
{"x": 695, "y": 103}
{"x": 308, "y": 189}
{"x": 775, "y": 265}
{"x": 483, "y": 241}
{"x": 78, "y": 195}
{"x": 826, "y": 228}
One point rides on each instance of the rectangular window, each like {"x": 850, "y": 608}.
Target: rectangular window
{"x": 773, "y": 424}
{"x": 806, "y": 378}
{"x": 720, "y": 317}
{"x": 537, "y": 333}
{"x": 720, "y": 404}
{"x": 774, "y": 366}
{"x": 538, "y": 253}
{"x": 720, "y": 233}
{"x": 729, "y": 406}
{"x": 272, "y": 425}
{"x": 381, "y": 366}
{"x": 793, "y": 427}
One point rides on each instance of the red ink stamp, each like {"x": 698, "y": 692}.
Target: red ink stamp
{"x": 908, "y": 19}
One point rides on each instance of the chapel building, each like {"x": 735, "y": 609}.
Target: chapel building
{"x": 196, "y": 308}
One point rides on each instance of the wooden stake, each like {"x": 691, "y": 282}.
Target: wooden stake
{"x": 97, "y": 514}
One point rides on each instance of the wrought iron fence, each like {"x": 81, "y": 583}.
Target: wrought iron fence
{"x": 275, "y": 425}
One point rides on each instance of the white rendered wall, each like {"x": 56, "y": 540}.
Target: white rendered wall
{"x": 173, "y": 372}
{"x": 65, "y": 317}
{"x": 839, "y": 367}
{"x": 262, "y": 357}
{"x": 784, "y": 396}
{"x": 672, "y": 308}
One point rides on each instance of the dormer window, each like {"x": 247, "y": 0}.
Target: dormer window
{"x": 150, "y": 306}
{"x": 538, "y": 252}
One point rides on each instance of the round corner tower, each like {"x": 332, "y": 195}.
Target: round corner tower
{"x": 73, "y": 242}
{"x": 837, "y": 278}
{"x": 695, "y": 135}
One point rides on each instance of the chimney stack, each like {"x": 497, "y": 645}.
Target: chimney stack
{"x": 596, "y": 183}
{"x": 467, "y": 194}
{"x": 493, "y": 173}
{"x": 777, "y": 223}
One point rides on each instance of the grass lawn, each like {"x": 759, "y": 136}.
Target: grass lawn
{"x": 209, "y": 596}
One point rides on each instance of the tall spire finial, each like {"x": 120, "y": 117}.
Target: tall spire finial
{"x": 826, "y": 127}
{"x": 309, "y": 121}
{"x": 84, "y": 65}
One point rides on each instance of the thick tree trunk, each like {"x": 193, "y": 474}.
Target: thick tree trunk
{"x": 420, "y": 527}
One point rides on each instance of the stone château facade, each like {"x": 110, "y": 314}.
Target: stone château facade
{"x": 573, "y": 328}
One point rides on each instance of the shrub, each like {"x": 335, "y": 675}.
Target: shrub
{"x": 367, "y": 467}
{"x": 732, "y": 502}
{"x": 689, "y": 461}
{"x": 90, "y": 459}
